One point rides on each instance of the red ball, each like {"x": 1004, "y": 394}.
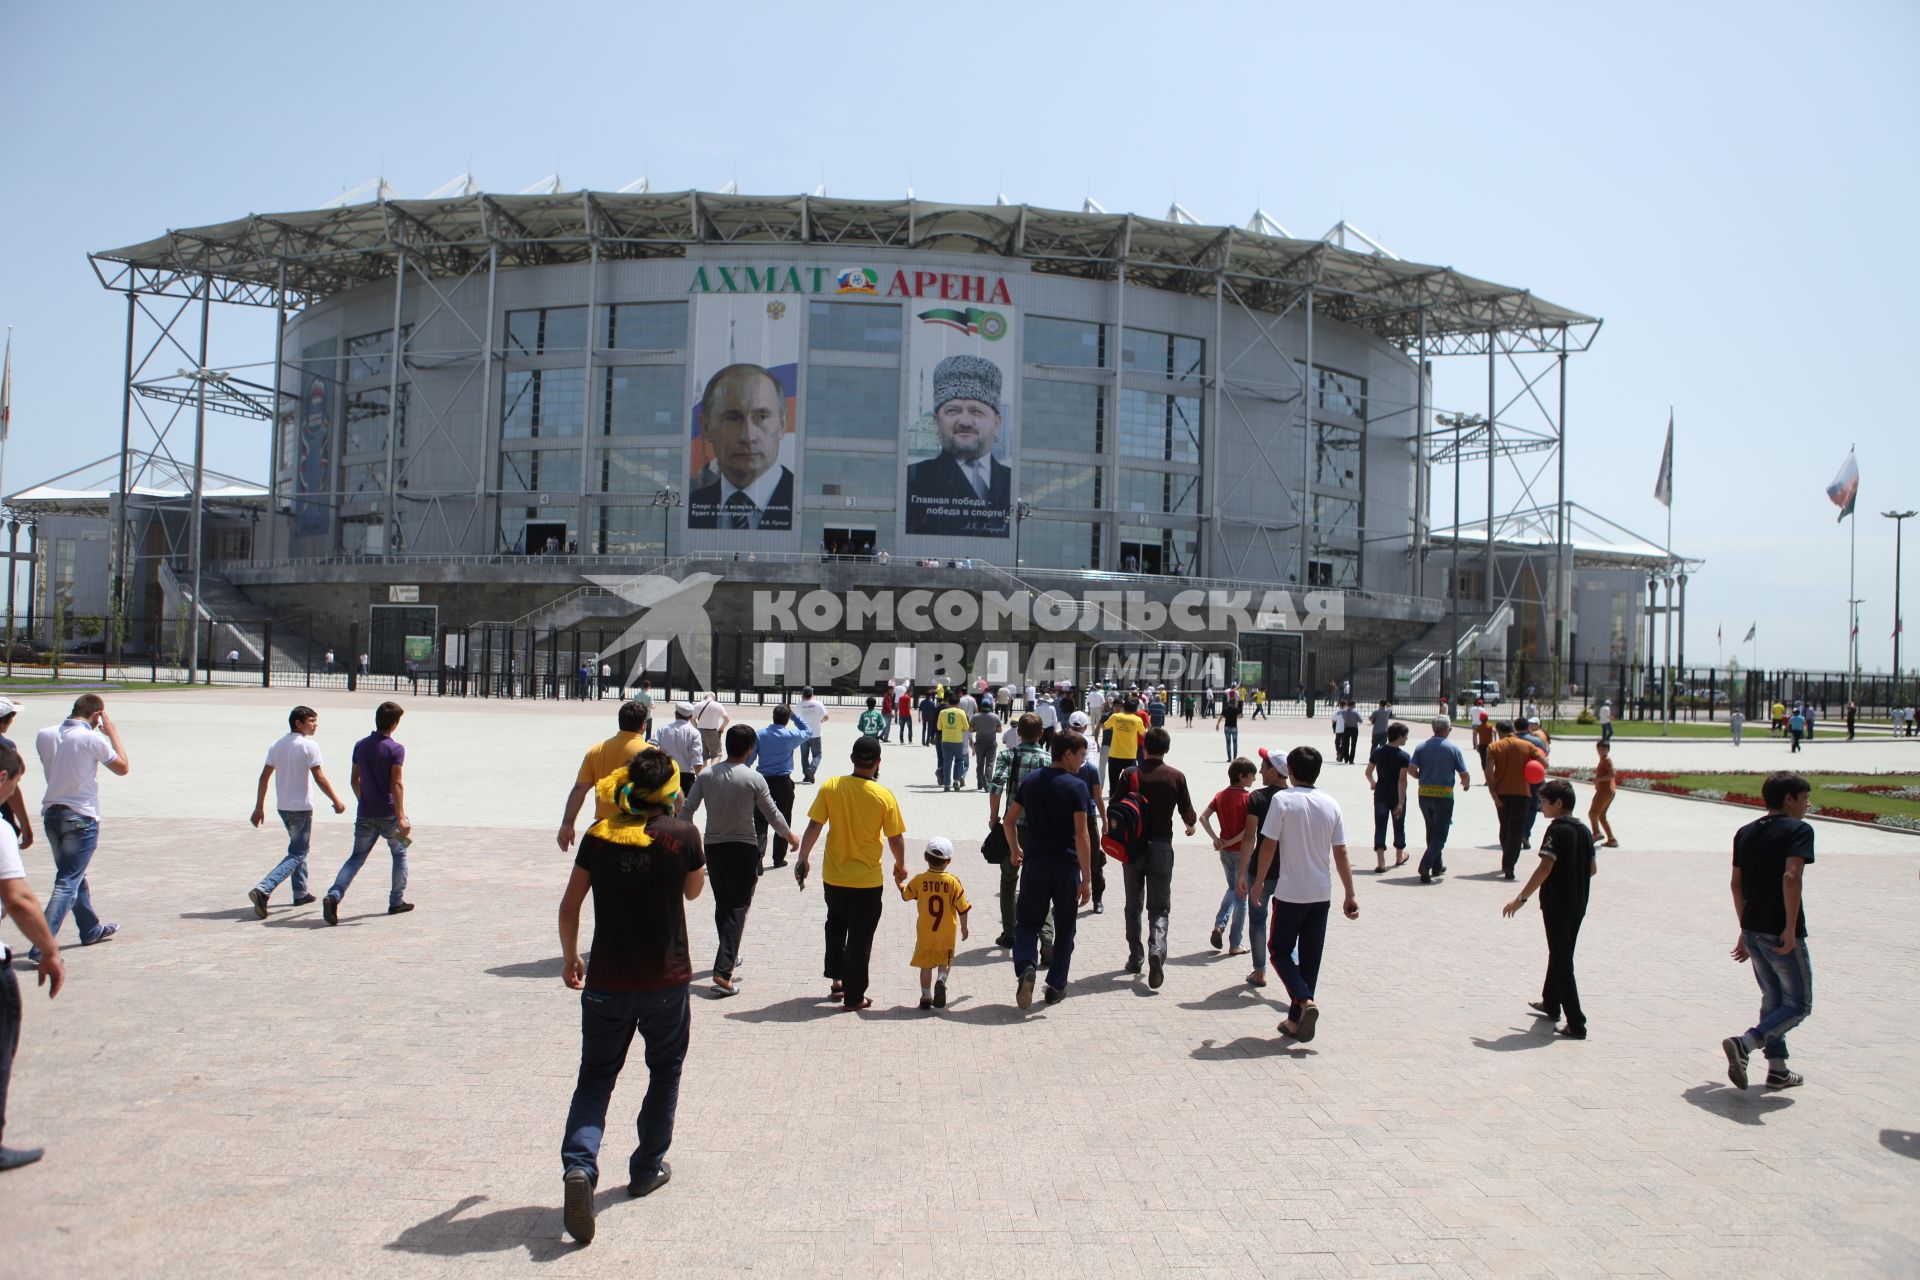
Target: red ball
{"x": 1536, "y": 772}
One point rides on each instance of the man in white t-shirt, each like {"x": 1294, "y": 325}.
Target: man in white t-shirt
{"x": 1303, "y": 825}
{"x": 711, "y": 719}
{"x": 18, "y": 904}
{"x": 812, "y": 713}
{"x": 71, "y": 754}
{"x": 296, "y": 759}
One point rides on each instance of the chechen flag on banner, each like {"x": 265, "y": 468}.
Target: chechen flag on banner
{"x": 1751, "y": 631}
{"x": 1845, "y": 488}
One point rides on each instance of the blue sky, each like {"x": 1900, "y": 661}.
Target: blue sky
{"x": 1729, "y": 186}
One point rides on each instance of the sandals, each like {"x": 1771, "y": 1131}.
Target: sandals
{"x": 865, "y": 1003}
{"x": 1256, "y": 979}
{"x": 1303, "y": 1030}
{"x": 1400, "y": 860}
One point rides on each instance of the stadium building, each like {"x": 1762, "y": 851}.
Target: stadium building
{"x": 483, "y": 402}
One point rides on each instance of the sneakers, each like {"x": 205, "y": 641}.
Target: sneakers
{"x": 1736, "y": 1050}
{"x": 577, "y": 1214}
{"x": 940, "y": 993}
{"x": 926, "y": 1002}
{"x": 106, "y": 931}
{"x": 1099, "y": 907}
{"x": 1214, "y": 939}
{"x": 1004, "y": 940}
{"x": 399, "y": 908}
{"x": 647, "y": 1186}
{"x": 1133, "y": 965}
{"x": 304, "y": 899}
{"x": 1781, "y": 1078}
{"x": 1156, "y": 970}
{"x": 1540, "y": 1010}
{"x": 1023, "y": 994}
{"x": 330, "y": 908}
{"x": 259, "y": 901}
{"x": 723, "y": 987}
{"x": 1054, "y": 995}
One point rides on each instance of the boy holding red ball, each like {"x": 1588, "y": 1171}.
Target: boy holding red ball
{"x": 1509, "y": 761}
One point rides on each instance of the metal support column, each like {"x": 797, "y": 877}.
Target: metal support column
{"x": 1493, "y": 438}
{"x": 13, "y": 566}
{"x": 277, "y": 398}
{"x": 489, "y": 441}
{"x": 1306, "y": 452}
{"x": 1422, "y": 482}
{"x": 395, "y": 357}
{"x": 586, "y": 416}
{"x": 1563, "y": 554}
{"x": 1118, "y": 354}
{"x": 116, "y": 506}
{"x": 199, "y": 467}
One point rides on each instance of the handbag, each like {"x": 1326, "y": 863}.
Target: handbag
{"x": 994, "y": 847}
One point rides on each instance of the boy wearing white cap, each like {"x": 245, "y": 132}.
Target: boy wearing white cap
{"x": 943, "y": 902}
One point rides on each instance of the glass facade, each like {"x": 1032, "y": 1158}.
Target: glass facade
{"x": 1336, "y": 456}
{"x": 1064, "y": 416}
{"x": 1059, "y": 544}
{"x": 646, "y": 326}
{"x": 1164, "y": 355}
{"x": 530, "y": 470}
{"x": 1156, "y": 425}
{"x": 854, "y": 326}
{"x": 867, "y": 478}
{"x": 852, "y": 401}
{"x": 632, "y": 470}
{"x": 631, "y": 531}
{"x": 1166, "y": 492}
{"x": 536, "y": 332}
{"x": 541, "y": 403}
{"x": 641, "y": 399}
{"x": 1078, "y": 344}
{"x": 1061, "y": 484}
{"x": 1342, "y": 393}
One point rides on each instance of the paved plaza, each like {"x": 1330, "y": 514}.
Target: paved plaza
{"x": 225, "y": 1096}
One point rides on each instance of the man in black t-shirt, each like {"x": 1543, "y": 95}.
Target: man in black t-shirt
{"x": 1273, "y": 777}
{"x": 1150, "y": 873}
{"x": 1769, "y": 856}
{"x": 642, "y": 865}
{"x": 1048, "y": 839}
{"x": 1566, "y": 865}
{"x": 1387, "y": 770}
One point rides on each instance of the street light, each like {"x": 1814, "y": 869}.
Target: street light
{"x": 200, "y": 378}
{"x": 1021, "y": 510}
{"x": 666, "y": 500}
{"x": 1899, "y": 519}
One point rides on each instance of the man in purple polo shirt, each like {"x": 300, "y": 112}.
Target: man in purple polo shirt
{"x": 382, "y": 811}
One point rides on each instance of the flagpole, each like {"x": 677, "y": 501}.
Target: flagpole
{"x": 1666, "y": 676}
{"x": 1853, "y": 625}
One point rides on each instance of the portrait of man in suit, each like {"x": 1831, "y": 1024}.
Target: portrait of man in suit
{"x": 743, "y": 416}
{"x": 964, "y": 490}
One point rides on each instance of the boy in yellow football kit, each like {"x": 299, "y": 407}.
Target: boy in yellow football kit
{"x": 943, "y": 907}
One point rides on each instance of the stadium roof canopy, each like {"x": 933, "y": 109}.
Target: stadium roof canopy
{"x": 1593, "y": 540}
{"x": 300, "y": 258}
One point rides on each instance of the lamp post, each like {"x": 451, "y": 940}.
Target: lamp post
{"x": 1853, "y": 644}
{"x": 1899, "y": 519}
{"x": 1021, "y": 510}
{"x": 666, "y": 500}
{"x": 200, "y": 377}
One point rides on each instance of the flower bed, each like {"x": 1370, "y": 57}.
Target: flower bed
{"x": 1665, "y": 782}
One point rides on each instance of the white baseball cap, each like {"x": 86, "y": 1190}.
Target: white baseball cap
{"x": 1078, "y": 720}
{"x": 940, "y": 847}
{"x": 8, "y": 706}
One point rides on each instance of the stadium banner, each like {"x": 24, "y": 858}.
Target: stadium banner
{"x": 313, "y": 497}
{"x": 745, "y": 418}
{"x": 963, "y": 362}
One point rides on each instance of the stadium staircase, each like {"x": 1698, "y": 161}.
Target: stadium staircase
{"x": 238, "y": 622}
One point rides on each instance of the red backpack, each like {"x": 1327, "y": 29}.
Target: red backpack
{"x": 1126, "y": 825}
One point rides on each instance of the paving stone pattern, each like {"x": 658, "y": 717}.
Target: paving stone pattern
{"x": 225, "y": 1096}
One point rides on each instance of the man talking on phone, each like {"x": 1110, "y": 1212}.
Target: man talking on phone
{"x": 71, "y": 754}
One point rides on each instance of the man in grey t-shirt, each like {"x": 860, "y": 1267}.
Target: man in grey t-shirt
{"x": 733, "y": 792}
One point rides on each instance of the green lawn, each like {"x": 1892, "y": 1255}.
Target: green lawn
{"x": 1651, "y": 729}
{"x": 1823, "y": 793}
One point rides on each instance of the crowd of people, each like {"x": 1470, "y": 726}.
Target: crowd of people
{"x": 1056, "y": 820}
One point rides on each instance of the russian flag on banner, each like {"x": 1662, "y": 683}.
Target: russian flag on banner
{"x": 1845, "y": 488}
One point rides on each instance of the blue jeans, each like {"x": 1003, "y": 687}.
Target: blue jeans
{"x": 1438, "y": 814}
{"x": 1259, "y": 899}
{"x": 1048, "y": 881}
{"x": 1382, "y": 810}
{"x": 1299, "y": 930}
{"x": 810, "y": 757}
{"x": 1232, "y": 733}
{"x": 1233, "y": 907}
{"x": 365, "y": 832}
{"x": 1786, "y": 992}
{"x": 952, "y": 765}
{"x": 299, "y": 838}
{"x": 608, "y": 1020}
{"x": 72, "y": 837}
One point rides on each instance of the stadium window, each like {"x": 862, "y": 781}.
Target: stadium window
{"x": 1159, "y": 426}
{"x": 853, "y": 401}
{"x": 629, "y": 470}
{"x": 628, "y": 531}
{"x": 371, "y": 354}
{"x": 544, "y": 329}
{"x": 1336, "y": 519}
{"x": 1059, "y": 544}
{"x": 1336, "y": 456}
{"x": 641, "y": 399}
{"x": 540, "y": 403}
{"x": 1074, "y": 344}
{"x": 530, "y": 470}
{"x": 1064, "y": 416}
{"x": 548, "y": 526}
{"x": 853, "y": 326}
{"x": 367, "y": 421}
{"x": 1341, "y": 393}
{"x": 867, "y": 478}
{"x": 646, "y": 326}
{"x": 1060, "y": 484}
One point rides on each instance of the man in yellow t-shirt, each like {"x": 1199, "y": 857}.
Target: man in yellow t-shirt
{"x": 1124, "y": 752}
{"x": 603, "y": 758}
{"x": 857, "y": 813}
{"x": 951, "y": 767}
